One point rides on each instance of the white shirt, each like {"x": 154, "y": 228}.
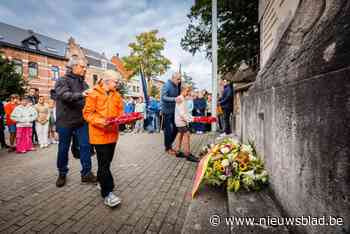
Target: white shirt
{"x": 182, "y": 114}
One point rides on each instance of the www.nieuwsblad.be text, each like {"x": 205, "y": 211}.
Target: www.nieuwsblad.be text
{"x": 216, "y": 220}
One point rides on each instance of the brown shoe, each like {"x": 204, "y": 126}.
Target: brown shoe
{"x": 61, "y": 181}
{"x": 11, "y": 149}
{"x": 171, "y": 152}
{"x": 90, "y": 178}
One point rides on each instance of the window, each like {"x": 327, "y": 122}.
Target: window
{"x": 55, "y": 73}
{"x": 138, "y": 89}
{"x": 134, "y": 88}
{"x": 18, "y": 66}
{"x": 94, "y": 78}
{"x": 32, "y": 46}
{"x": 33, "y": 70}
{"x": 104, "y": 64}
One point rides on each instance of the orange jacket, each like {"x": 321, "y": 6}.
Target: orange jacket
{"x": 9, "y": 107}
{"x": 98, "y": 107}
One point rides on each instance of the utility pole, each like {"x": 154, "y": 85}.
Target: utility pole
{"x": 214, "y": 39}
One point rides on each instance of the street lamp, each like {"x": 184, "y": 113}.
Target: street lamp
{"x": 214, "y": 39}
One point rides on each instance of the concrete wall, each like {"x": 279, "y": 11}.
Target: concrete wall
{"x": 298, "y": 113}
{"x": 274, "y": 17}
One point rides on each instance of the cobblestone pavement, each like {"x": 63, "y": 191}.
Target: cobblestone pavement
{"x": 154, "y": 188}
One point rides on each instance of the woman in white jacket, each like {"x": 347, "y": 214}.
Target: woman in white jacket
{"x": 182, "y": 120}
{"x": 24, "y": 115}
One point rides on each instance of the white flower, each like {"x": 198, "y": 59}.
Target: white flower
{"x": 246, "y": 148}
{"x": 249, "y": 173}
{"x": 263, "y": 173}
{"x": 234, "y": 165}
{"x": 251, "y": 157}
{"x": 222, "y": 177}
{"x": 225, "y": 150}
{"x": 225, "y": 163}
{"x": 230, "y": 157}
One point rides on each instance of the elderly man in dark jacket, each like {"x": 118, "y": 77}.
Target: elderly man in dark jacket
{"x": 226, "y": 103}
{"x": 70, "y": 91}
{"x": 169, "y": 96}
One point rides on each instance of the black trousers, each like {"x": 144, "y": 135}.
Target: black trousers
{"x": 2, "y": 136}
{"x": 34, "y": 135}
{"x": 170, "y": 130}
{"x": 227, "y": 121}
{"x": 105, "y": 154}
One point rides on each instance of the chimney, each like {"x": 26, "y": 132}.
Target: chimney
{"x": 71, "y": 40}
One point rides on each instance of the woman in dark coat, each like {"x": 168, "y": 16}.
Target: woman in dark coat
{"x": 199, "y": 107}
{"x": 226, "y": 103}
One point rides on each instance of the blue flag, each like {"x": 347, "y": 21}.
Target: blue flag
{"x": 144, "y": 88}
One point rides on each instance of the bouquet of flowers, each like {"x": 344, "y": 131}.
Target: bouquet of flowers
{"x": 233, "y": 165}
{"x": 126, "y": 118}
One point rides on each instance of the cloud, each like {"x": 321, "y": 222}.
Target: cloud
{"x": 5, "y": 12}
{"x": 110, "y": 25}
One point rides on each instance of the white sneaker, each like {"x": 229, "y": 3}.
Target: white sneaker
{"x": 41, "y": 146}
{"x": 112, "y": 200}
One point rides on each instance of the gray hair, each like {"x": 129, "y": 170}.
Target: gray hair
{"x": 74, "y": 60}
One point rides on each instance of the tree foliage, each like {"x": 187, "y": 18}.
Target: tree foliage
{"x": 238, "y": 34}
{"x": 10, "y": 81}
{"x": 147, "y": 51}
{"x": 154, "y": 91}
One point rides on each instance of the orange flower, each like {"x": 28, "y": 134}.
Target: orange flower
{"x": 242, "y": 157}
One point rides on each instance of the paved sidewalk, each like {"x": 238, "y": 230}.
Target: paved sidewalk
{"x": 154, "y": 188}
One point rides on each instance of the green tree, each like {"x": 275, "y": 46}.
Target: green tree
{"x": 10, "y": 81}
{"x": 147, "y": 52}
{"x": 238, "y": 32}
{"x": 154, "y": 91}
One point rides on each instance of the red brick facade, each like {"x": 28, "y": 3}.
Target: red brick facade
{"x": 45, "y": 78}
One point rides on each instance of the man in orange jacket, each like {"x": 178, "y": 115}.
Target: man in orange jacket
{"x": 103, "y": 103}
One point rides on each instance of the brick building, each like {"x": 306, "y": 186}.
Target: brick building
{"x": 121, "y": 68}
{"x": 42, "y": 60}
{"x": 39, "y": 58}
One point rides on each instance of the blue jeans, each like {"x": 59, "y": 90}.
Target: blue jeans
{"x": 170, "y": 130}
{"x": 65, "y": 136}
{"x": 155, "y": 122}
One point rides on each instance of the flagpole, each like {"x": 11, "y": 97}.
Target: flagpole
{"x": 214, "y": 62}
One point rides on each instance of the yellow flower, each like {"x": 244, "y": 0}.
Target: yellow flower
{"x": 243, "y": 166}
{"x": 218, "y": 166}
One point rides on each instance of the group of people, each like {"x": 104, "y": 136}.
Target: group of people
{"x": 151, "y": 115}
{"x": 180, "y": 105}
{"x": 81, "y": 115}
{"x": 30, "y": 121}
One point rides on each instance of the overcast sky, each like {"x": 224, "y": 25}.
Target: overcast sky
{"x": 109, "y": 25}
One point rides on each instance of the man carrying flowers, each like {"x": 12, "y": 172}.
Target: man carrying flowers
{"x": 102, "y": 104}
